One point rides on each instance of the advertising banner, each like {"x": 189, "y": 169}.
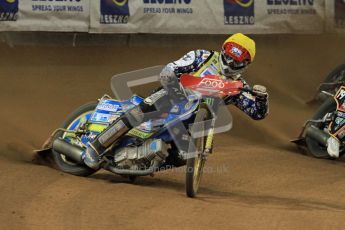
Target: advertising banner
{"x": 174, "y": 16}
{"x": 292, "y": 16}
{"x": 207, "y": 16}
{"x": 44, "y": 15}
{"x": 8, "y": 10}
{"x": 335, "y": 16}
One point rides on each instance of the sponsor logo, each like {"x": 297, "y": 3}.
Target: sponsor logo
{"x": 339, "y": 13}
{"x": 136, "y": 100}
{"x": 167, "y": 1}
{"x": 169, "y": 7}
{"x": 239, "y": 12}
{"x": 211, "y": 83}
{"x": 53, "y": 0}
{"x": 341, "y": 114}
{"x": 339, "y": 120}
{"x": 290, "y": 7}
{"x": 341, "y": 94}
{"x": 108, "y": 107}
{"x": 236, "y": 51}
{"x": 8, "y": 10}
{"x": 138, "y": 133}
{"x": 205, "y": 73}
{"x": 114, "y": 12}
{"x": 126, "y": 107}
{"x": 209, "y": 100}
{"x": 72, "y": 6}
{"x": 291, "y": 2}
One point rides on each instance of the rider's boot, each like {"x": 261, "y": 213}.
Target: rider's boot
{"x": 152, "y": 106}
{"x": 109, "y": 136}
{"x": 333, "y": 147}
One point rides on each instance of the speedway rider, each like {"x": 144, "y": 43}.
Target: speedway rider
{"x": 237, "y": 53}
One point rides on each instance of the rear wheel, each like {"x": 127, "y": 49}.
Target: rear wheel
{"x": 314, "y": 147}
{"x": 196, "y": 160}
{"x": 75, "y": 119}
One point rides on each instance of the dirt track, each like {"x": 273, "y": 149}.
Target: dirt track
{"x": 259, "y": 179}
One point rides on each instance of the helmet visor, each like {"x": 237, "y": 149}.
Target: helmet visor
{"x": 232, "y": 63}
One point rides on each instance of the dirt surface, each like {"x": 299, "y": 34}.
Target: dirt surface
{"x": 255, "y": 180}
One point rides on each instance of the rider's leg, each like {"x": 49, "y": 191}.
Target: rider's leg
{"x": 153, "y": 106}
{"x": 116, "y": 130}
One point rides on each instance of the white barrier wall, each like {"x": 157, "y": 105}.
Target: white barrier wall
{"x": 174, "y": 16}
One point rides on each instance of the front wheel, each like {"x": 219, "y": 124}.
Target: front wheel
{"x": 196, "y": 159}
{"x": 62, "y": 162}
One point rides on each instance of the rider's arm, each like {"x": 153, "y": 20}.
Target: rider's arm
{"x": 188, "y": 63}
{"x": 254, "y": 106}
{"x": 170, "y": 74}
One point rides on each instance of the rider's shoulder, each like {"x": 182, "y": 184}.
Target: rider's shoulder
{"x": 196, "y": 57}
{"x": 186, "y": 60}
{"x": 201, "y": 53}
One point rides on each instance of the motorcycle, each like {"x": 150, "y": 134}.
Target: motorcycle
{"x": 149, "y": 147}
{"x": 328, "y": 121}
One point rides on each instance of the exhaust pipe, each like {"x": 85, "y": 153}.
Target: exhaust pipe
{"x": 317, "y": 134}
{"x": 72, "y": 151}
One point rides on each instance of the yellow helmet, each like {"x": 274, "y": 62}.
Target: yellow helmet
{"x": 244, "y": 41}
{"x": 238, "y": 52}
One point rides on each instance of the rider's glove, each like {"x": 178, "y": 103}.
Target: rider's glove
{"x": 171, "y": 84}
{"x": 168, "y": 77}
{"x": 260, "y": 91}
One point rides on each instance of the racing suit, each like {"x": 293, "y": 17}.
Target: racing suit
{"x": 198, "y": 63}
{"x": 202, "y": 62}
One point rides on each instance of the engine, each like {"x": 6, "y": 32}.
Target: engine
{"x": 141, "y": 157}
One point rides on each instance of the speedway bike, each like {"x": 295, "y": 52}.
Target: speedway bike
{"x": 149, "y": 147}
